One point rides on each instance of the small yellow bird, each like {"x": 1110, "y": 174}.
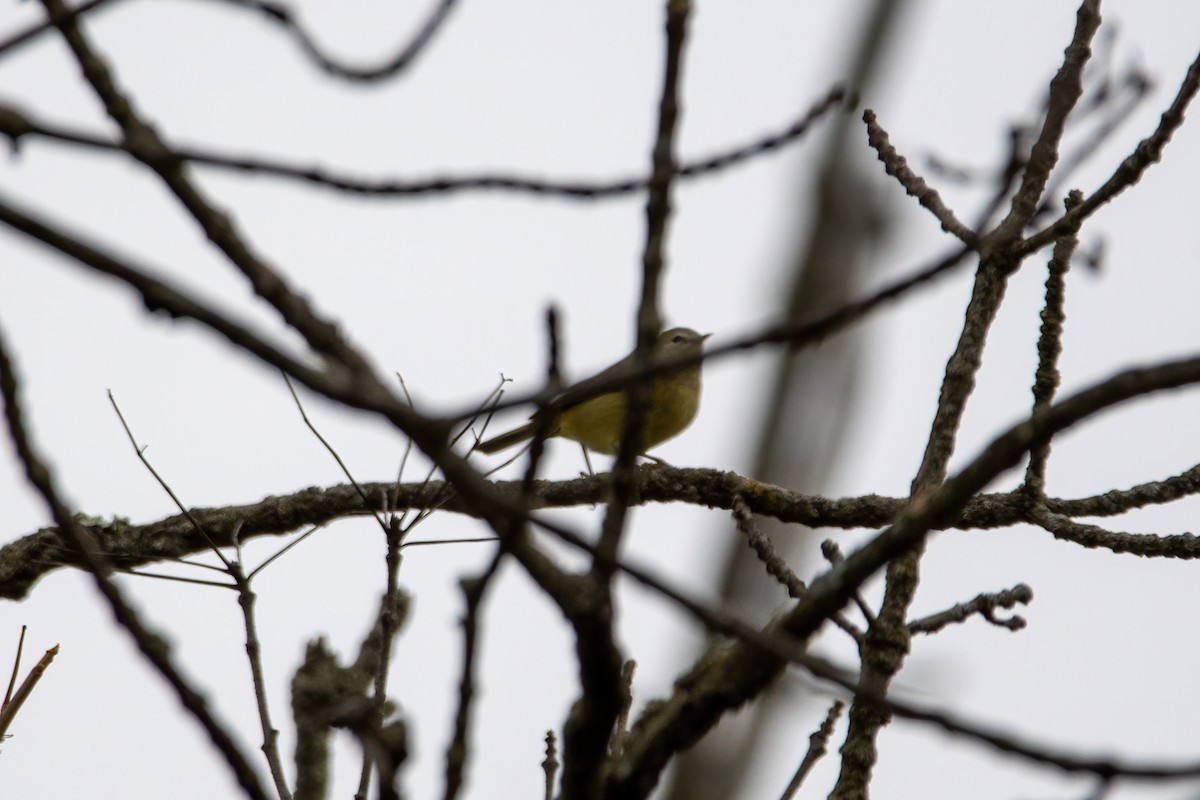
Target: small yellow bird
{"x": 598, "y": 421}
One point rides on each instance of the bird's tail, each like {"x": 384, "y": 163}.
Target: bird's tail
{"x": 506, "y": 440}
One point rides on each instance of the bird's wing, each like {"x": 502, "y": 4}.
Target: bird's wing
{"x": 585, "y": 389}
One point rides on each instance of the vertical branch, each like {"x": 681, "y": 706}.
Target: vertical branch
{"x": 247, "y": 599}
{"x": 550, "y": 764}
{"x": 1047, "y": 378}
{"x": 1065, "y": 90}
{"x": 649, "y": 315}
{"x": 888, "y": 639}
{"x": 544, "y": 421}
{"x": 818, "y": 742}
{"x": 799, "y": 436}
{"x": 456, "y": 755}
{"x": 389, "y": 625}
{"x": 662, "y": 172}
{"x": 16, "y": 670}
{"x": 589, "y": 727}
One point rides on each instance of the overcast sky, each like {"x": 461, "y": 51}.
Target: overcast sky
{"x": 451, "y": 291}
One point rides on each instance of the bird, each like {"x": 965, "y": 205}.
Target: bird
{"x": 597, "y": 421}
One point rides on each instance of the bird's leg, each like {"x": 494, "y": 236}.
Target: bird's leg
{"x": 587, "y": 461}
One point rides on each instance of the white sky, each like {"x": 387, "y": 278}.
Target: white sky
{"x": 451, "y": 291}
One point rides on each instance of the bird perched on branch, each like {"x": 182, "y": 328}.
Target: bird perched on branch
{"x": 597, "y": 421}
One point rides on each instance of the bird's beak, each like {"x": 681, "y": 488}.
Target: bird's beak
{"x": 704, "y": 338}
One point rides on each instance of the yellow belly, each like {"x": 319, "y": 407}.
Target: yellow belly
{"x": 598, "y": 423}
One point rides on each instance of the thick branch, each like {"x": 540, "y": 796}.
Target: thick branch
{"x": 27, "y": 559}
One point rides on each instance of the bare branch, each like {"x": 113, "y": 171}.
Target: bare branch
{"x": 27, "y": 559}
{"x": 1093, "y": 536}
{"x": 649, "y": 313}
{"x": 550, "y": 764}
{"x": 589, "y": 726}
{"x": 897, "y": 166}
{"x": 1149, "y": 151}
{"x": 473, "y": 590}
{"x": 270, "y": 746}
{"x": 405, "y": 57}
{"x": 729, "y": 675}
{"x": 1065, "y": 90}
{"x": 1047, "y": 379}
{"x": 14, "y": 700}
{"x": 818, "y": 743}
{"x": 17, "y": 126}
{"x": 141, "y": 454}
{"x": 833, "y": 554}
{"x": 330, "y": 449}
{"x": 776, "y": 567}
{"x": 984, "y": 605}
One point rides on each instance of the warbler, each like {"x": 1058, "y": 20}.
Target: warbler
{"x": 598, "y": 421}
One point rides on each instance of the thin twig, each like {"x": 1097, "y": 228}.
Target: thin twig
{"x": 336, "y": 456}
{"x": 141, "y": 454}
{"x": 833, "y": 554}
{"x": 270, "y": 746}
{"x": 389, "y": 626}
{"x": 777, "y": 568}
{"x": 1066, "y": 87}
{"x": 14, "y": 701}
{"x": 405, "y": 57}
{"x": 1139, "y": 86}
{"x": 281, "y": 551}
{"x": 246, "y": 600}
{"x": 473, "y": 590}
{"x": 467, "y": 540}
{"x": 544, "y": 420}
{"x": 1148, "y": 152}
{"x": 818, "y": 743}
{"x": 550, "y": 764}
{"x": 16, "y": 126}
{"x": 984, "y": 605}
{"x": 439, "y": 498}
{"x": 897, "y": 166}
{"x": 16, "y": 670}
{"x": 158, "y": 576}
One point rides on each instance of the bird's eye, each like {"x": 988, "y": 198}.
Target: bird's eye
{"x": 677, "y": 338}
